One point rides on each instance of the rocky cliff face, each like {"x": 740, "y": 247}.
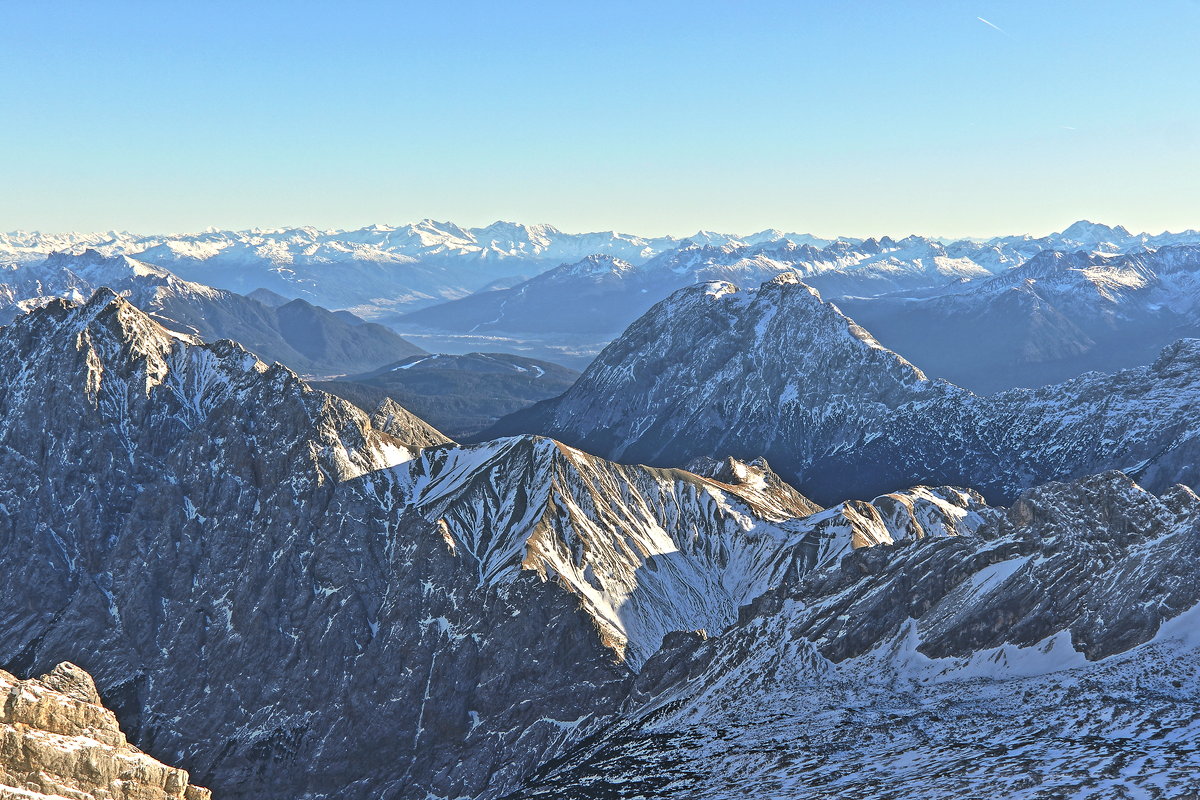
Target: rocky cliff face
{"x": 1052, "y": 652}
{"x": 289, "y": 597}
{"x": 58, "y": 741}
{"x": 716, "y": 371}
{"x": 291, "y": 601}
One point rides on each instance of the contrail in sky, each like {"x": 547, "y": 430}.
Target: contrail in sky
{"x": 992, "y": 25}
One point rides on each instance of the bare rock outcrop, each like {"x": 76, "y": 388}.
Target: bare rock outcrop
{"x": 58, "y": 741}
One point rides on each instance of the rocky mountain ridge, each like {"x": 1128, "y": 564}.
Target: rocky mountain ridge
{"x": 775, "y": 371}
{"x": 306, "y": 338}
{"x": 1049, "y": 652}
{"x": 58, "y": 741}
{"x": 222, "y": 522}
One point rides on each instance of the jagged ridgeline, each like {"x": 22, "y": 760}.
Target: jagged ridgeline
{"x": 1056, "y": 316}
{"x": 1050, "y": 653}
{"x": 290, "y": 600}
{"x": 306, "y": 338}
{"x": 290, "y": 597}
{"x": 715, "y": 370}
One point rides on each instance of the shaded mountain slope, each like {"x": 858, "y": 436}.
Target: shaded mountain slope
{"x": 716, "y": 371}
{"x": 1052, "y": 652}
{"x": 460, "y": 394}
{"x": 1054, "y": 317}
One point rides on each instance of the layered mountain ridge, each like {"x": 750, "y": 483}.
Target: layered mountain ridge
{"x": 1051, "y": 652}
{"x": 307, "y": 338}
{"x": 1056, "y": 316}
{"x": 774, "y": 371}
{"x": 222, "y": 522}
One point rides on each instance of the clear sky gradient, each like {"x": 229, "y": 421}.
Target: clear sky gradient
{"x": 854, "y": 118}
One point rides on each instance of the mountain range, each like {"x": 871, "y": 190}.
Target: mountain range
{"x": 380, "y": 269}
{"x": 775, "y": 371}
{"x": 1016, "y": 343}
{"x": 291, "y": 598}
{"x": 370, "y": 270}
{"x": 307, "y": 338}
{"x": 832, "y": 576}
{"x": 1056, "y": 316}
{"x": 603, "y": 294}
{"x": 538, "y": 292}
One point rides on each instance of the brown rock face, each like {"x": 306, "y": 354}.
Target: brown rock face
{"x": 58, "y": 741}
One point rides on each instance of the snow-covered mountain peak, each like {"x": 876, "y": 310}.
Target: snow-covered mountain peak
{"x": 504, "y": 234}
{"x": 756, "y": 483}
{"x": 91, "y": 258}
{"x": 1094, "y": 232}
{"x": 593, "y": 266}
{"x": 787, "y": 279}
{"x": 1178, "y": 358}
{"x": 717, "y": 289}
{"x": 714, "y": 239}
{"x": 107, "y": 312}
{"x": 123, "y": 358}
{"x": 76, "y": 276}
{"x": 716, "y": 355}
{"x": 630, "y": 542}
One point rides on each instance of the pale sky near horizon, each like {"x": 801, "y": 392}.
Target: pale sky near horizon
{"x": 867, "y": 118}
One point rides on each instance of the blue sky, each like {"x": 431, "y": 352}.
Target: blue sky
{"x": 857, "y": 118}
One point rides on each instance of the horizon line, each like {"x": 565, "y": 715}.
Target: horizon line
{"x": 267, "y": 229}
